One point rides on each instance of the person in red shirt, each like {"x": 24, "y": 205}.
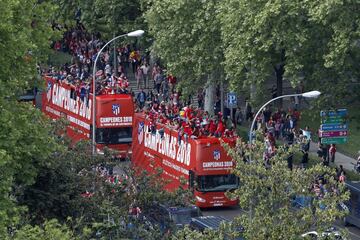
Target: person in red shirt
{"x": 332, "y": 151}
{"x": 277, "y": 115}
{"x": 187, "y": 130}
{"x": 163, "y": 118}
{"x": 187, "y": 112}
{"x": 212, "y": 127}
{"x": 105, "y": 90}
{"x": 296, "y": 114}
{"x": 271, "y": 139}
{"x": 220, "y": 129}
{"x": 57, "y": 46}
{"x": 172, "y": 81}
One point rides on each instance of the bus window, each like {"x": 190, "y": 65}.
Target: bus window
{"x": 114, "y": 135}
{"x": 217, "y": 183}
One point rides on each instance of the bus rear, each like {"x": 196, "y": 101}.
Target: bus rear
{"x": 114, "y": 116}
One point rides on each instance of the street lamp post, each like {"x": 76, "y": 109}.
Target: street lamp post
{"x": 136, "y": 33}
{"x": 311, "y": 94}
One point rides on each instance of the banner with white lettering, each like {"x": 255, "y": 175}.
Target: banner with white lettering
{"x": 61, "y": 97}
{"x": 165, "y": 144}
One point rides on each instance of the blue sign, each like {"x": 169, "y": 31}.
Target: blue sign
{"x": 339, "y": 112}
{"x": 231, "y": 99}
{"x": 333, "y": 127}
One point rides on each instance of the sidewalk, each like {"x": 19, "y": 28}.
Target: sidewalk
{"x": 340, "y": 159}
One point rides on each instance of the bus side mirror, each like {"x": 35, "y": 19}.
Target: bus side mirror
{"x": 191, "y": 179}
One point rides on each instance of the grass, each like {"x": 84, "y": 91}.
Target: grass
{"x": 58, "y": 59}
{"x": 352, "y": 147}
{"x": 243, "y": 132}
{"x": 313, "y": 160}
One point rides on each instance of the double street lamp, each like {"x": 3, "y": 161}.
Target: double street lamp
{"x": 311, "y": 94}
{"x": 136, "y": 33}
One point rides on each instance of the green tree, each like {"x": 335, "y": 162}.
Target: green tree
{"x": 187, "y": 37}
{"x": 51, "y": 229}
{"x": 57, "y": 193}
{"x": 108, "y": 17}
{"x": 300, "y": 41}
{"x": 25, "y": 142}
{"x": 267, "y": 191}
{"x": 111, "y": 17}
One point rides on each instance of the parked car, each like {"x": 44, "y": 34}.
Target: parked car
{"x": 353, "y": 204}
{"x": 207, "y": 222}
{"x": 212, "y": 222}
{"x": 331, "y": 233}
{"x": 171, "y": 217}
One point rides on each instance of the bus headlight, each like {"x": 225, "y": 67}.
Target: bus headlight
{"x": 199, "y": 199}
{"x": 98, "y": 151}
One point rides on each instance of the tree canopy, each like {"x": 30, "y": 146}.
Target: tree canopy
{"x": 25, "y": 141}
{"x": 269, "y": 191}
{"x": 187, "y": 38}
{"x": 301, "y": 41}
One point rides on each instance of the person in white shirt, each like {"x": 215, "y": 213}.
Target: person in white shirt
{"x": 145, "y": 70}
{"x": 306, "y": 132}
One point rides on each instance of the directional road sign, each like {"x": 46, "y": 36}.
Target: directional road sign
{"x": 339, "y": 112}
{"x": 334, "y": 140}
{"x": 325, "y": 134}
{"x": 231, "y": 100}
{"x": 333, "y": 119}
{"x": 333, "y": 127}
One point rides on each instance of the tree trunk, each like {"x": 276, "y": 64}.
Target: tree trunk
{"x": 279, "y": 71}
{"x": 222, "y": 96}
{"x": 115, "y": 67}
{"x": 279, "y": 83}
{"x": 252, "y": 92}
{"x": 209, "y": 96}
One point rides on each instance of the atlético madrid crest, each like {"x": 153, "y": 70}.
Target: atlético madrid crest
{"x": 140, "y": 132}
{"x": 116, "y": 109}
{"x": 216, "y": 154}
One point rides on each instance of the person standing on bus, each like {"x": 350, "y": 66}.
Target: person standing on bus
{"x": 141, "y": 98}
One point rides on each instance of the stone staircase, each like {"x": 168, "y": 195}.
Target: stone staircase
{"x": 150, "y": 86}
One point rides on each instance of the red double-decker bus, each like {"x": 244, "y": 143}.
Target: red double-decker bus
{"x": 202, "y": 162}
{"x": 114, "y": 115}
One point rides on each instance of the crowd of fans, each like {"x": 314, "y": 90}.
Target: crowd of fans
{"x": 111, "y": 74}
{"x": 281, "y": 125}
{"x": 164, "y": 105}
{"x": 190, "y": 122}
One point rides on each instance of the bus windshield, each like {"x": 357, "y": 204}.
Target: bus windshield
{"x": 114, "y": 135}
{"x": 217, "y": 183}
